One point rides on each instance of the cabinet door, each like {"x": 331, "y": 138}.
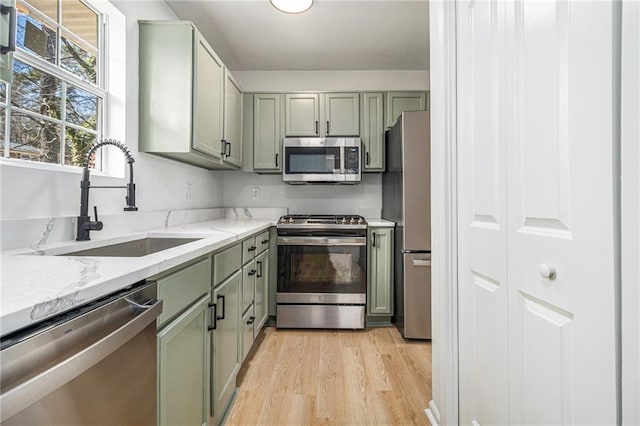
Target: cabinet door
{"x": 403, "y": 101}
{"x": 208, "y": 91}
{"x": 302, "y": 114}
{"x": 248, "y": 321}
{"x": 232, "y": 121}
{"x": 372, "y": 131}
{"x": 248, "y": 284}
{"x": 225, "y": 356}
{"x": 268, "y": 118}
{"x": 260, "y": 300}
{"x": 183, "y": 368}
{"x": 380, "y": 289}
{"x": 342, "y": 112}
{"x": 6, "y": 59}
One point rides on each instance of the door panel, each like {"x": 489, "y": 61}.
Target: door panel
{"x": 208, "y": 100}
{"x": 483, "y": 284}
{"x": 560, "y": 212}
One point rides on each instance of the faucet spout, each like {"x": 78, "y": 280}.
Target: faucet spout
{"x": 84, "y": 221}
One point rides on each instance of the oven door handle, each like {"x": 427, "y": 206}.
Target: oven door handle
{"x": 322, "y": 241}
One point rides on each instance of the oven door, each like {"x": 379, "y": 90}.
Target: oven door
{"x": 328, "y": 270}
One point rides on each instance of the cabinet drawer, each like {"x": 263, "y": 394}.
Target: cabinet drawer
{"x": 262, "y": 241}
{"x": 226, "y": 263}
{"x": 177, "y": 291}
{"x": 248, "y": 249}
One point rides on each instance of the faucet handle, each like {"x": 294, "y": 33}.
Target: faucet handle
{"x": 97, "y": 225}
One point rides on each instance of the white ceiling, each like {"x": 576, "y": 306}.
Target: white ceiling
{"x": 251, "y": 35}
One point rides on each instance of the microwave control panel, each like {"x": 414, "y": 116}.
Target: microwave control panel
{"x": 352, "y": 159}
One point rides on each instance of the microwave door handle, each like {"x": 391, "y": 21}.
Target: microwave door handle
{"x": 342, "y": 171}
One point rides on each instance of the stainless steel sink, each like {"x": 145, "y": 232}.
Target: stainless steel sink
{"x": 135, "y": 248}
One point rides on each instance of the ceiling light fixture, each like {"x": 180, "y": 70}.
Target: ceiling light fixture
{"x": 292, "y": 6}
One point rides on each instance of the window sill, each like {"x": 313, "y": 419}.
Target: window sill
{"x": 51, "y": 167}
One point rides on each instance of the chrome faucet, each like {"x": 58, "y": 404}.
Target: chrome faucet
{"x": 84, "y": 220}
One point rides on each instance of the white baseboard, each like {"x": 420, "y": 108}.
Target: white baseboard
{"x": 433, "y": 414}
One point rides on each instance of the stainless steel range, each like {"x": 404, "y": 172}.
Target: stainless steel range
{"x": 322, "y": 271}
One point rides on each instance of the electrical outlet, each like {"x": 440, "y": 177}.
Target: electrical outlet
{"x": 255, "y": 193}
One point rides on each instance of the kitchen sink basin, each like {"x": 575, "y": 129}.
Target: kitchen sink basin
{"x": 135, "y": 248}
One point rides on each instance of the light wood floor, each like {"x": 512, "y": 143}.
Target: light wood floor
{"x": 327, "y": 377}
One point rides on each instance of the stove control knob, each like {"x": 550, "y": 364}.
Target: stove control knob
{"x": 354, "y": 220}
{"x": 360, "y": 220}
{"x": 344, "y": 220}
{"x": 290, "y": 220}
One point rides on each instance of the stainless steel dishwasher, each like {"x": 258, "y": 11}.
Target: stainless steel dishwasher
{"x": 93, "y": 365}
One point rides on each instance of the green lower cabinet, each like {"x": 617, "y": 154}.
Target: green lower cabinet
{"x": 380, "y": 272}
{"x": 225, "y": 354}
{"x": 261, "y": 298}
{"x": 183, "y": 367}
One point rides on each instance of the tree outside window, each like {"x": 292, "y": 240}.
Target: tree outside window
{"x": 54, "y": 105}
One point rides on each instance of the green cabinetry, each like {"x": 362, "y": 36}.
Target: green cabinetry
{"x": 182, "y": 106}
{"x": 224, "y": 347}
{"x": 372, "y": 131}
{"x": 232, "y": 139}
{"x": 326, "y": 114}
{"x": 261, "y": 297}
{"x": 380, "y": 272}
{"x": 268, "y": 131}
{"x": 396, "y": 102}
{"x": 183, "y": 345}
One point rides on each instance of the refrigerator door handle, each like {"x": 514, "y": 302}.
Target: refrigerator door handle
{"x": 420, "y": 262}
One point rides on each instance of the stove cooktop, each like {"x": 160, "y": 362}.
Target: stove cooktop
{"x": 322, "y": 221}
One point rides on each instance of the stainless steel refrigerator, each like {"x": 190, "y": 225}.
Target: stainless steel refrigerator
{"x": 406, "y": 200}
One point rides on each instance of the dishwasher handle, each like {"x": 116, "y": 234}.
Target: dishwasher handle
{"x": 16, "y": 399}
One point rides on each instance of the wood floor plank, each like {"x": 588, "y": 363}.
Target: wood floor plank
{"x": 335, "y": 377}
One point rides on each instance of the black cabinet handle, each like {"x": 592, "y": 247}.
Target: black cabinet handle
{"x": 316, "y": 127}
{"x": 265, "y": 241}
{"x": 252, "y": 248}
{"x": 260, "y": 268}
{"x": 228, "y": 145}
{"x": 221, "y": 317}
{"x": 277, "y": 155}
{"x": 373, "y": 243}
{"x": 11, "y": 11}
{"x": 367, "y": 156}
{"x": 252, "y": 272}
{"x": 214, "y": 316}
{"x": 251, "y": 320}
{"x": 328, "y": 131}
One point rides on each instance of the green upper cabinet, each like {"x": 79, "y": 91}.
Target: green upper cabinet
{"x": 342, "y": 114}
{"x": 302, "y": 112}
{"x": 268, "y": 131}
{"x": 232, "y": 121}
{"x": 380, "y": 272}
{"x": 372, "y": 131}
{"x": 325, "y": 114}
{"x": 396, "y": 102}
{"x": 7, "y": 34}
{"x": 182, "y": 105}
{"x": 208, "y": 97}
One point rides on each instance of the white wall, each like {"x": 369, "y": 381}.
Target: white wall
{"x": 630, "y": 213}
{"x": 364, "y": 198}
{"x": 28, "y": 192}
{"x": 324, "y": 81}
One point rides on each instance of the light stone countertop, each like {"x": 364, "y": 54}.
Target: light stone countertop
{"x": 36, "y": 284}
{"x": 380, "y": 223}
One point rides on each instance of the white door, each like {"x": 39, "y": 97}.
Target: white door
{"x": 482, "y": 221}
{"x": 536, "y": 197}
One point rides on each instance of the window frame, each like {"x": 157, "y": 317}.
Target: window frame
{"x": 66, "y": 77}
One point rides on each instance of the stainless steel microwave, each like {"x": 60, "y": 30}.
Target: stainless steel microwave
{"x": 321, "y": 160}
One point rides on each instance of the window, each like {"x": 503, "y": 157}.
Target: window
{"x": 53, "y": 110}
